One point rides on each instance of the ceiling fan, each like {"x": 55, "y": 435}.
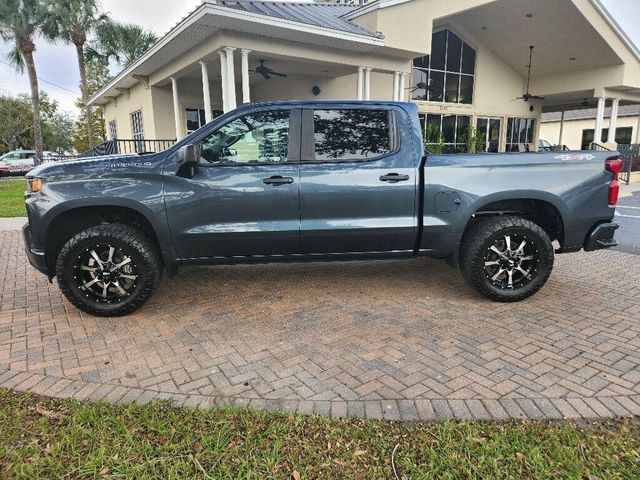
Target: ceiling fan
{"x": 420, "y": 86}
{"x": 527, "y": 95}
{"x": 267, "y": 72}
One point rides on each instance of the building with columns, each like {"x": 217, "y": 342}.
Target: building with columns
{"x": 576, "y": 128}
{"x": 465, "y": 63}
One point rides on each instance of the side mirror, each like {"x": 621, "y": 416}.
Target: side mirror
{"x": 187, "y": 157}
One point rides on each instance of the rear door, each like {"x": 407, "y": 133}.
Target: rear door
{"x": 358, "y": 178}
{"x": 243, "y": 199}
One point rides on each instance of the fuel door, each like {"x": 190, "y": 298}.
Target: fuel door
{"x": 447, "y": 201}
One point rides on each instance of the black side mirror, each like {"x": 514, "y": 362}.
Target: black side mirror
{"x": 187, "y": 160}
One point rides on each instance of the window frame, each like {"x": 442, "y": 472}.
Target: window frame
{"x": 132, "y": 115}
{"x": 113, "y": 129}
{"x": 293, "y": 154}
{"x": 446, "y": 72}
{"x": 509, "y": 128}
{"x": 423, "y": 123}
{"x": 308, "y": 133}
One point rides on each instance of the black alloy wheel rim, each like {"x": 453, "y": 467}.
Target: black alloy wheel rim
{"x": 511, "y": 261}
{"x": 106, "y": 274}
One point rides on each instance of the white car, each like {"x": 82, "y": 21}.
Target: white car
{"x": 17, "y": 161}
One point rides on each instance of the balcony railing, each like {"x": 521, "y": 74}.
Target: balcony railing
{"x": 129, "y": 146}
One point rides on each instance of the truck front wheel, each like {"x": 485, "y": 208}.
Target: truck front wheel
{"x": 506, "y": 258}
{"x": 109, "y": 270}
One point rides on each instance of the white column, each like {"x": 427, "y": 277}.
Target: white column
{"x": 367, "y": 83}
{"x": 206, "y": 93}
{"x": 231, "y": 78}
{"x": 403, "y": 80}
{"x": 359, "y": 89}
{"x": 223, "y": 77}
{"x": 561, "y": 135}
{"x": 396, "y": 86}
{"x": 246, "y": 93}
{"x": 638, "y": 130}
{"x": 597, "y": 134}
{"x": 177, "y": 118}
{"x": 613, "y": 121}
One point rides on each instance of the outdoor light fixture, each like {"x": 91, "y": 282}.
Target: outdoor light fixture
{"x": 316, "y": 90}
{"x": 529, "y": 15}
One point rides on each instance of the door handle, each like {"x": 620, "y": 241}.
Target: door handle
{"x": 277, "y": 180}
{"x": 394, "y": 177}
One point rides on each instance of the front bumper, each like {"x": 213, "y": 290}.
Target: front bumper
{"x": 36, "y": 257}
{"x": 601, "y": 237}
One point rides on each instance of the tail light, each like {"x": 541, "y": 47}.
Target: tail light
{"x": 614, "y": 165}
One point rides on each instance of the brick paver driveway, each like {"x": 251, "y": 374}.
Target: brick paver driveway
{"x": 399, "y": 339}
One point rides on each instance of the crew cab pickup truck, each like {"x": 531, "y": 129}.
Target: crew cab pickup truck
{"x": 298, "y": 181}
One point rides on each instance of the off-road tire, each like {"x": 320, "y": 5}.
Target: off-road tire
{"x": 477, "y": 242}
{"x": 127, "y": 239}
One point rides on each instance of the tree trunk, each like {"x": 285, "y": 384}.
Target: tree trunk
{"x": 85, "y": 93}
{"x": 35, "y": 101}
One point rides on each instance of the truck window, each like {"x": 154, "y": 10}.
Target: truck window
{"x": 353, "y": 134}
{"x": 261, "y": 137}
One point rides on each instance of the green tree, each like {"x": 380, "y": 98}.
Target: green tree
{"x": 20, "y": 20}
{"x": 72, "y": 21}
{"x": 16, "y": 122}
{"x": 123, "y": 43}
{"x": 97, "y": 77}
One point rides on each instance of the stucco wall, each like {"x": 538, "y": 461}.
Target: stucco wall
{"x": 572, "y": 134}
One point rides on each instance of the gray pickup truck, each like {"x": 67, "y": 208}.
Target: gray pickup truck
{"x": 298, "y": 181}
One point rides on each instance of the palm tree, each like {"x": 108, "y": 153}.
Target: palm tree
{"x": 19, "y": 22}
{"x": 72, "y": 21}
{"x": 122, "y": 42}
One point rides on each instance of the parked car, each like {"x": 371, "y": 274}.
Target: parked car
{"x": 17, "y": 162}
{"x": 292, "y": 181}
{"x": 545, "y": 145}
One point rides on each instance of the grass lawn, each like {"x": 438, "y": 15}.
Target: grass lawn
{"x": 12, "y": 198}
{"x": 42, "y": 438}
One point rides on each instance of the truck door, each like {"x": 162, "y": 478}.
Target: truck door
{"x": 243, "y": 199}
{"x": 358, "y": 178}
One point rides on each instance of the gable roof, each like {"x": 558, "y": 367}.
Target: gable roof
{"x": 327, "y": 15}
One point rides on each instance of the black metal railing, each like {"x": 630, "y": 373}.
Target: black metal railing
{"x": 630, "y": 161}
{"x": 596, "y": 147}
{"x": 129, "y": 146}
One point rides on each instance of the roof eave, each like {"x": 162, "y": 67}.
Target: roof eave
{"x": 224, "y": 12}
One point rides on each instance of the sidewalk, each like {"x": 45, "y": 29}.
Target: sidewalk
{"x": 15, "y": 223}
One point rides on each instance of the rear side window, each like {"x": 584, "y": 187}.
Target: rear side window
{"x": 353, "y": 134}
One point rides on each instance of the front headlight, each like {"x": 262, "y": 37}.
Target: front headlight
{"x": 35, "y": 184}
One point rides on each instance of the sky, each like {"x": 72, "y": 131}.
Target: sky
{"x": 57, "y": 64}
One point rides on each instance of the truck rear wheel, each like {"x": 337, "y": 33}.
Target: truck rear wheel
{"x": 506, "y": 259}
{"x": 109, "y": 270}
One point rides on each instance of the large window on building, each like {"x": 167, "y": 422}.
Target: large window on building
{"x": 137, "y": 129}
{"x": 196, "y": 118}
{"x": 447, "y": 75}
{"x": 448, "y": 133}
{"x": 623, "y": 136}
{"x": 520, "y": 134}
{"x": 113, "y": 130}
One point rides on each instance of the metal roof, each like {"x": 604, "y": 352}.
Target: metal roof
{"x": 325, "y": 15}
{"x": 590, "y": 113}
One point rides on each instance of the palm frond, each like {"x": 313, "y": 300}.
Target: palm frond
{"x": 16, "y": 60}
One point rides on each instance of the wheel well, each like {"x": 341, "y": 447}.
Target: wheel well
{"x": 72, "y": 222}
{"x": 538, "y": 211}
